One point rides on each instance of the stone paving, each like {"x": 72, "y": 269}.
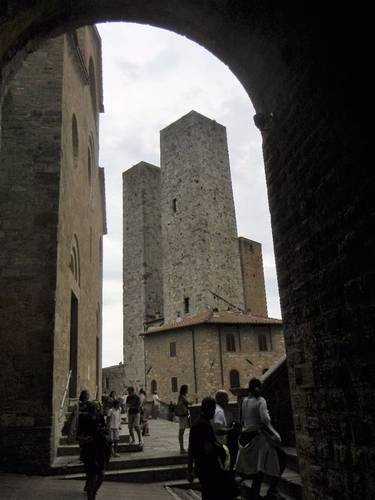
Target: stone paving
{"x": 21, "y": 487}
{"x": 162, "y": 442}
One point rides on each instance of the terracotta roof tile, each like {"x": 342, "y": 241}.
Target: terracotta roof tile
{"x": 210, "y": 317}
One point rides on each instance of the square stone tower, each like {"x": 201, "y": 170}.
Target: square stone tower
{"x": 142, "y": 285}
{"x": 201, "y": 263}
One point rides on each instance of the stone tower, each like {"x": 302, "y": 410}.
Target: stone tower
{"x": 201, "y": 263}
{"x": 253, "y": 276}
{"x": 142, "y": 286}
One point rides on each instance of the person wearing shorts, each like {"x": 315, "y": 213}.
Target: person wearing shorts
{"x": 113, "y": 423}
{"x": 133, "y": 404}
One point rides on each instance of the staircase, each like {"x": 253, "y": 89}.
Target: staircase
{"x": 290, "y": 485}
{"x": 158, "y": 464}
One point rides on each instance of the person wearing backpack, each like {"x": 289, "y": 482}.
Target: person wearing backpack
{"x": 208, "y": 459}
{"x": 259, "y": 444}
{"x": 182, "y": 412}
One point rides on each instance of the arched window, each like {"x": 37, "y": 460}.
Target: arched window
{"x": 234, "y": 379}
{"x": 75, "y": 140}
{"x": 231, "y": 343}
{"x": 154, "y": 386}
{"x": 74, "y": 261}
{"x": 262, "y": 341}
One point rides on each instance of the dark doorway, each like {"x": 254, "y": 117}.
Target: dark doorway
{"x": 97, "y": 365}
{"x": 73, "y": 361}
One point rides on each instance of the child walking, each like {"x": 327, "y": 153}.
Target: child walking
{"x": 113, "y": 423}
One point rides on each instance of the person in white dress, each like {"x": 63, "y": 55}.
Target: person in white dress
{"x": 259, "y": 444}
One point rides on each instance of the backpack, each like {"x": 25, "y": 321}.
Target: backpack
{"x": 181, "y": 410}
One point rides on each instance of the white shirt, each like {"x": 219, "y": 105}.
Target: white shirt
{"x": 114, "y": 416}
{"x": 219, "y": 422}
{"x": 254, "y": 413}
{"x": 155, "y": 399}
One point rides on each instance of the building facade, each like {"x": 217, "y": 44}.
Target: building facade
{"x": 193, "y": 288}
{"x": 52, "y": 243}
{"x": 210, "y": 351}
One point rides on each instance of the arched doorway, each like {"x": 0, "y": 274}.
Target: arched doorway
{"x": 318, "y": 152}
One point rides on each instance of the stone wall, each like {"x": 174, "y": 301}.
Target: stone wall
{"x": 199, "y": 235}
{"x": 45, "y": 203}
{"x": 253, "y": 277}
{"x": 81, "y": 221}
{"x": 203, "y": 361}
{"x": 114, "y": 379}
{"x": 142, "y": 297}
{"x": 29, "y": 194}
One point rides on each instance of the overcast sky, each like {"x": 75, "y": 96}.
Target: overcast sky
{"x": 151, "y": 78}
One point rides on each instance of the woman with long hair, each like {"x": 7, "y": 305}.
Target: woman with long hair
{"x": 182, "y": 411}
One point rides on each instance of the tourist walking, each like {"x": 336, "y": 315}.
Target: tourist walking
{"x": 259, "y": 444}
{"x": 133, "y": 404}
{"x": 207, "y": 458}
{"x": 95, "y": 446}
{"x": 113, "y": 424}
{"x": 155, "y": 405}
{"x": 182, "y": 412}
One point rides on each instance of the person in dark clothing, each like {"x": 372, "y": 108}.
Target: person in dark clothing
{"x": 206, "y": 457}
{"x": 95, "y": 447}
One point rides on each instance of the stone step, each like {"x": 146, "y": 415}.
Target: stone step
{"x": 290, "y": 485}
{"x": 121, "y": 463}
{"x": 292, "y": 459}
{"x": 152, "y": 474}
{"x": 124, "y": 438}
{"x": 71, "y": 450}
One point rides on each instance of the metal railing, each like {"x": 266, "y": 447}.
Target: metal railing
{"x": 65, "y": 393}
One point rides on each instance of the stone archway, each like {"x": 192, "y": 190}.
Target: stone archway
{"x": 307, "y": 72}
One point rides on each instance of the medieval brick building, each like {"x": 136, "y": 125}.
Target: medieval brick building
{"x": 190, "y": 284}
{"x": 53, "y": 220}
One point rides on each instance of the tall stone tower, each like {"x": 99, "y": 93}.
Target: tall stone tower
{"x": 201, "y": 263}
{"x": 142, "y": 285}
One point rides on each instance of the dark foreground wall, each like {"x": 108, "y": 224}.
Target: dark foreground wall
{"x": 29, "y": 194}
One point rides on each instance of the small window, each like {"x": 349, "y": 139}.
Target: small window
{"x": 262, "y": 341}
{"x": 234, "y": 379}
{"x": 174, "y": 384}
{"x": 154, "y": 386}
{"x": 174, "y": 205}
{"x": 172, "y": 349}
{"x": 231, "y": 344}
{"x": 186, "y": 305}
{"x": 75, "y": 140}
{"x": 74, "y": 263}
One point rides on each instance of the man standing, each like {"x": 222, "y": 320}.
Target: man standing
{"x": 133, "y": 404}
